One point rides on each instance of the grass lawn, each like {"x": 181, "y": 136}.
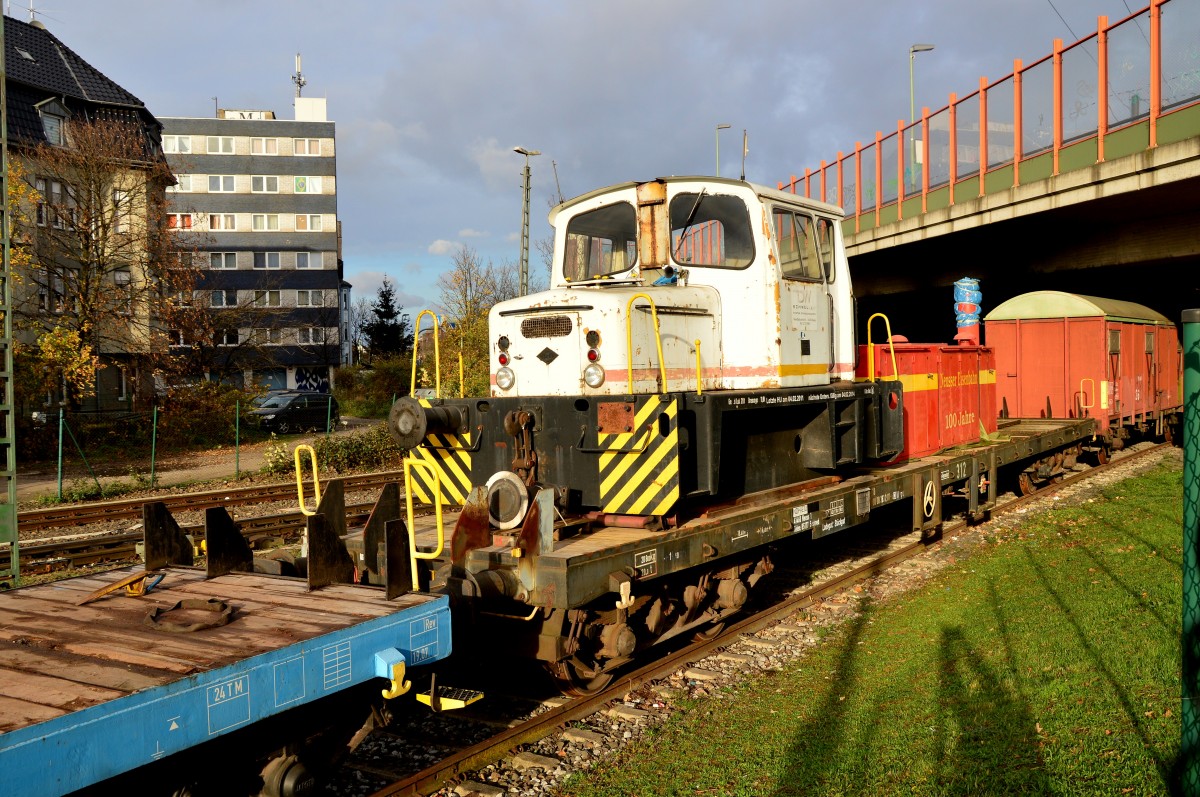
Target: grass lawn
{"x": 1048, "y": 662}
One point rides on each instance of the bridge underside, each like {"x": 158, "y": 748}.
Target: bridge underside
{"x": 1140, "y": 245}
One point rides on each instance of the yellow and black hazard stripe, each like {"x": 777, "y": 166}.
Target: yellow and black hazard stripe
{"x": 639, "y": 470}
{"x": 451, "y": 455}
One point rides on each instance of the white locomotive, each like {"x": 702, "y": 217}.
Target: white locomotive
{"x": 697, "y": 343}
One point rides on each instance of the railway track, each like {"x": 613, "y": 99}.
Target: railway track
{"x": 131, "y": 508}
{"x": 554, "y": 715}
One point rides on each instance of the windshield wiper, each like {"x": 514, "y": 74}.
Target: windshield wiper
{"x": 687, "y": 225}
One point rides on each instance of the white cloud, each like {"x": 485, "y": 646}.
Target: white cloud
{"x": 469, "y": 233}
{"x": 442, "y": 247}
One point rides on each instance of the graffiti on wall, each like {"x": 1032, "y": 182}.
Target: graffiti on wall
{"x": 316, "y": 379}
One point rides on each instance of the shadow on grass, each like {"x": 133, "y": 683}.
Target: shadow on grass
{"x": 1126, "y": 530}
{"x": 1093, "y": 650}
{"x": 825, "y": 737}
{"x": 986, "y": 740}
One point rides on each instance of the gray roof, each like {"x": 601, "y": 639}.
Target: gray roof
{"x": 1059, "y": 304}
{"x": 39, "y": 67}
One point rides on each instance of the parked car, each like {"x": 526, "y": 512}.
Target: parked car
{"x": 295, "y": 411}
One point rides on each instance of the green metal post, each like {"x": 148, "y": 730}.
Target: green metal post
{"x": 237, "y": 439}
{"x": 1189, "y": 748}
{"x": 153, "y": 443}
{"x": 61, "y": 423}
{"x": 8, "y": 402}
{"x": 328, "y": 415}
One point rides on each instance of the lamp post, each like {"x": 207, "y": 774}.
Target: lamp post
{"x": 528, "y": 153}
{"x": 719, "y": 129}
{"x": 912, "y": 101}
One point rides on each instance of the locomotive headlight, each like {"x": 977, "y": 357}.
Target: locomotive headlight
{"x": 505, "y": 378}
{"x": 593, "y": 375}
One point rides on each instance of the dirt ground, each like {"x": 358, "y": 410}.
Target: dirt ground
{"x": 219, "y": 465}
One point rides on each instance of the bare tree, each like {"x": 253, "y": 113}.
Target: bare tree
{"x": 104, "y": 261}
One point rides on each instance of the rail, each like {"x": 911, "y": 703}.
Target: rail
{"x": 437, "y": 353}
{"x": 662, "y": 366}
{"x": 887, "y": 325}
{"x": 413, "y": 553}
{"x": 1025, "y": 126}
{"x": 312, "y": 458}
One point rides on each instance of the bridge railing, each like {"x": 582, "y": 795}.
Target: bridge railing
{"x": 1127, "y": 87}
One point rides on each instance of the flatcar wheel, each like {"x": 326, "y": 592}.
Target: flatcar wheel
{"x": 1026, "y": 485}
{"x": 573, "y": 682}
{"x": 1102, "y": 455}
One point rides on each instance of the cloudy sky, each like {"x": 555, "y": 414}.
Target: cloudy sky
{"x": 430, "y": 97}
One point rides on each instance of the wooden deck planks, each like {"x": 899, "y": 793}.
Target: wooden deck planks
{"x": 57, "y": 656}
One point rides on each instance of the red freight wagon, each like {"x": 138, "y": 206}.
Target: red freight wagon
{"x": 949, "y": 392}
{"x": 1065, "y": 355}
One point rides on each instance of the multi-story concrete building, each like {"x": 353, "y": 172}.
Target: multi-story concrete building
{"x": 259, "y": 197}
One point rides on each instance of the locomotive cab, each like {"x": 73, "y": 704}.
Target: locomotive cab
{"x": 748, "y": 287}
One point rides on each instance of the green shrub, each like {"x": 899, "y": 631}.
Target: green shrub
{"x": 278, "y": 457}
{"x": 201, "y": 413}
{"x": 370, "y": 449}
{"x": 367, "y": 391}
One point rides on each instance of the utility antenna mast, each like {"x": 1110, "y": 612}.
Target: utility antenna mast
{"x": 298, "y": 78}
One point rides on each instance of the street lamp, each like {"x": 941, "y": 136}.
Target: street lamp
{"x": 528, "y": 153}
{"x": 912, "y": 101}
{"x": 719, "y": 129}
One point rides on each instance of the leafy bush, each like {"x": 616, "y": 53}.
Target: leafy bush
{"x": 368, "y": 391}
{"x": 370, "y": 449}
{"x": 277, "y": 457}
{"x": 200, "y": 413}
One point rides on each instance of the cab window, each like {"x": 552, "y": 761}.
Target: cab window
{"x": 710, "y": 230}
{"x": 601, "y": 242}
{"x": 798, "y": 250}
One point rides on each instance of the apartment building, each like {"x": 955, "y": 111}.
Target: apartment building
{"x": 256, "y": 199}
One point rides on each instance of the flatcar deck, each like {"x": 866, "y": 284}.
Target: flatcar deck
{"x": 90, "y": 691}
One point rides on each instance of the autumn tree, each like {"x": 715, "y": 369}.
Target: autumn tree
{"x": 468, "y": 290}
{"x": 102, "y": 261}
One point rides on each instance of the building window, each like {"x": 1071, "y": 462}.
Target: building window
{"x": 179, "y": 221}
{"x": 175, "y": 337}
{"x": 225, "y": 298}
{"x": 266, "y": 298}
{"x": 267, "y": 337}
{"x": 56, "y": 203}
{"x": 52, "y": 126}
{"x": 308, "y": 222}
{"x": 122, "y": 212}
{"x": 264, "y": 184}
{"x": 124, "y": 292}
{"x": 220, "y": 183}
{"x": 226, "y": 337}
{"x": 182, "y": 299}
{"x": 122, "y": 385}
{"x": 309, "y": 260}
{"x": 266, "y": 260}
{"x": 307, "y": 185}
{"x": 310, "y": 298}
{"x": 220, "y": 145}
{"x": 261, "y": 222}
{"x": 222, "y": 221}
{"x": 222, "y": 261}
{"x": 181, "y": 145}
{"x": 183, "y": 184}
{"x": 310, "y": 335}
{"x": 264, "y": 146}
{"x": 307, "y": 146}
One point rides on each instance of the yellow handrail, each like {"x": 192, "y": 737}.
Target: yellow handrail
{"x": 699, "y": 386}
{"x": 662, "y": 368}
{"x": 1083, "y": 392}
{"x": 437, "y": 354}
{"x": 413, "y": 553}
{"x": 312, "y": 456}
{"x": 871, "y": 347}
